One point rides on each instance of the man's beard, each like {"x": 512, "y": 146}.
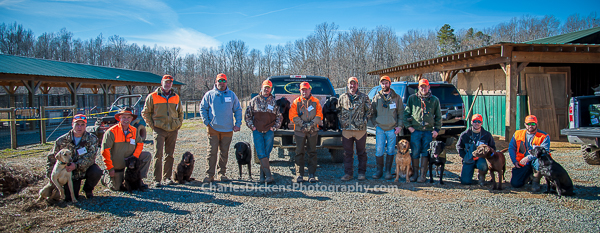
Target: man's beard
{"x": 386, "y": 89}
{"x": 531, "y": 130}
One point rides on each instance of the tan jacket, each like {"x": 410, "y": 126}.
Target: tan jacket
{"x": 163, "y": 112}
{"x": 390, "y": 117}
{"x": 305, "y": 121}
{"x": 116, "y": 146}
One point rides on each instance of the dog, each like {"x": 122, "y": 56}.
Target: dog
{"x": 496, "y": 163}
{"x": 284, "y": 109}
{"x": 59, "y": 177}
{"x": 437, "y": 156}
{"x": 133, "y": 178}
{"x": 556, "y": 176}
{"x": 330, "y": 114}
{"x": 403, "y": 160}
{"x": 243, "y": 154}
{"x": 185, "y": 168}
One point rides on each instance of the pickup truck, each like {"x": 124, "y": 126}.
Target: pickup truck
{"x": 288, "y": 86}
{"x": 583, "y": 128}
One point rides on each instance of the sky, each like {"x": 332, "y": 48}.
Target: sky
{"x": 192, "y": 25}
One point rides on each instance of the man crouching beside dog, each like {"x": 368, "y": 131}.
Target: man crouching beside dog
{"x": 468, "y": 142}
{"x": 83, "y": 147}
{"x": 120, "y": 142}
{"x": 263, "y": 118}
{"x": 527, "y": 165}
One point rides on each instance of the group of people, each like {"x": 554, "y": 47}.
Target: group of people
{"x": 222, "y": 114}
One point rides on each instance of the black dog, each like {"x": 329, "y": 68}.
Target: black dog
{"x": 437, "y": 156}
{"x": 330, "y": 113}
{"x": 284, "y": 109}
{"x": 243, "y": 154}
{"x": 133, "y": 178}
{"x": 185, "y": 168}
{"x": 556, "y": 176}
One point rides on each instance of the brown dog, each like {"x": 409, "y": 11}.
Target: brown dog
{"x": 403, "y": 160}
{"x": 59, "y": 177}
{"x": 496, "y": 163}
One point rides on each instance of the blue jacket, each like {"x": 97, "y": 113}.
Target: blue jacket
{"x": 512, "y": 148}
{"x": 218, "y": 109}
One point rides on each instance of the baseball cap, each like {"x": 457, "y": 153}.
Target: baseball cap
{"x": 304, "y": 85}
{"x": 267, "y": 83}
{"x": 423, "y": 82}
{"x": 167, "y": 77}
{"x": 221, "y": 76}
{"x": 531, "y": 119}
{"x": 385, "y": 78}
{"x": 80, "y": 117}
{"x": 477, "y": 117}
{"x": 353, "y": 79}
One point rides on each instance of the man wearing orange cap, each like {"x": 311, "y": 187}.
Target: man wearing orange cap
{"x": 164, "y": 114}
{"x": 263, "y": 118}
{"x": 423, "y": 118}
{"x": 354, "y": 108}
{"x": 468, "y": 142}
{"x": 388, "y": 111}
{"x": 307, "y": 115}
{"x": 120, "y": 142}
{"x": 83, "y": 147}
{"x": 218, "y": 108}
{"x": 527, "y": 165}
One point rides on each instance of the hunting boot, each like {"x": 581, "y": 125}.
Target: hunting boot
{"x": 415, "y": 166}
{"x": 481, "y": 177}
{"x": 266, "y": 170}
{"x": 535, "y": 183}
{"x": 262, "y": 174}
{"x": 423, "y": 176}
{"x": 379, "y": 172}
{"x": 389, "y": 159}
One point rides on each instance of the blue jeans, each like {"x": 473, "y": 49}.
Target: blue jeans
{"x": 263, "y": 142}
{"x": 466, "y": 175}
{"x": 419, "y": 143}
{"x": 519, "y": 175}
{"x": 381, "y": 138}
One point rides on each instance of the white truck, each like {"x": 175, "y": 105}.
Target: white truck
{"x": 584, "y": 126}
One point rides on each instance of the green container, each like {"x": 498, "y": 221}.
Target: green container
{"x": 595, "y": 114}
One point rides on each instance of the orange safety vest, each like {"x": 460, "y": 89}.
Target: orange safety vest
{"x": 158, "y": 99}
{"x": 521, "y": 139}
{"x": 122, "y": 144}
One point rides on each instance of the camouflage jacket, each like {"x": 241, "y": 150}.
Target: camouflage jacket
{"x": 354, "y": 111}
{"x": 263, "y": 113}
{"x": 82, "y": 161}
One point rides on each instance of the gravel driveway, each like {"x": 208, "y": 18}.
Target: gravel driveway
{"x": 333, "y": 205}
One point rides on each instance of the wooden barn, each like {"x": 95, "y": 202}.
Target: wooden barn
{"x": 507, "y": 81}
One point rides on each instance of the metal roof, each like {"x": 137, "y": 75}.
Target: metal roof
{"x": 40, "y": 67}
{"x": 588, "y": 36}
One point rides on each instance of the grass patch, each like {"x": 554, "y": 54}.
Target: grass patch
{"x": 192, "y": 124}
{"x": 26, "y": 151}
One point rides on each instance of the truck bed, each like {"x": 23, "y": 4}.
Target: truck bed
{"x": 591, "y": 132}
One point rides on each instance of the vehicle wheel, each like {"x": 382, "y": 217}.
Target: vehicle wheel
{"x": 591, "y": 158}
{"x": 142, "y": 132}
{"x": 337, "y": 155}
{"x": 255, "y": 156}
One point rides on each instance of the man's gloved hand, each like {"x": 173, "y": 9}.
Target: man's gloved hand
{"x": 526, "y": 160}
{"x": 306, "y": 127}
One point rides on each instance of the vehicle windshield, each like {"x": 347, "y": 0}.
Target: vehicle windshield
{"x": 446, "y": 94}
{"x": 292, "y": 86}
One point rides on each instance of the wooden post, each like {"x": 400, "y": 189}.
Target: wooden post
{"x": 13, "y": 126}
{"x": 511, "y": 100}
{"x": 73, "y": 88}
{"x": 195, "y": 108}
{"x": 186, "y": 110}
{"x": 11, "y": 89}
{"x": 43, "y": 124}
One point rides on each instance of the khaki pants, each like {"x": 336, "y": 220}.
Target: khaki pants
{"x": 163, "y": 140}
{"x": 218, "y": 141}
{"x": 311, "y": 143}
{"x": 116, "y": 182}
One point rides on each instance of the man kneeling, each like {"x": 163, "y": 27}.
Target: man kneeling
{"x": 120, "y": 142}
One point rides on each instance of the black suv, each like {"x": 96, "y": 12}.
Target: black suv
{"x": 453, "y": 122}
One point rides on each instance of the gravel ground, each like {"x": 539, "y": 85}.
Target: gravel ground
{"x": 372, "y": 205}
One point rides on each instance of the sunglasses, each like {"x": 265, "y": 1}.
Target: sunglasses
{"x": 222, "y": 81}
{"x": 477, "y": 122}
{"x": 79, "y": 118}
{"x": 531, "y": 124}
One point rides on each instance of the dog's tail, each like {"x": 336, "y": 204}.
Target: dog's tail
{"x": 504, "y": 150}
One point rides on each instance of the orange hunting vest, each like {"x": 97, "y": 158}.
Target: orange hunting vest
{"x": 521, "y": 139}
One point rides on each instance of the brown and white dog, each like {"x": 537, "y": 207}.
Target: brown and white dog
{"x": 403, "y": 160}
{"x": 496, "y": 163}
{"x": 59, "y": 177}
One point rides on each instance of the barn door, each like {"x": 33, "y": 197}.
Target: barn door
{"x": 541, "y": 103}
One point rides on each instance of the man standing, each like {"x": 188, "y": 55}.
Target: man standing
{"x": 164, "y": 114}
{"x": 263, "y": 118}
{"x": 306, "y": 113}
{"x": 388, "y": 111}
{"x": 423, "y": 117}
{"x": 218, "y": 108}
{"x": 120, "y": 142}
{"x": 522, "y": 141}
{"x": 467, "y": 143}
{"x": 353, "y": 107}
{"x": 83, "y": 147}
